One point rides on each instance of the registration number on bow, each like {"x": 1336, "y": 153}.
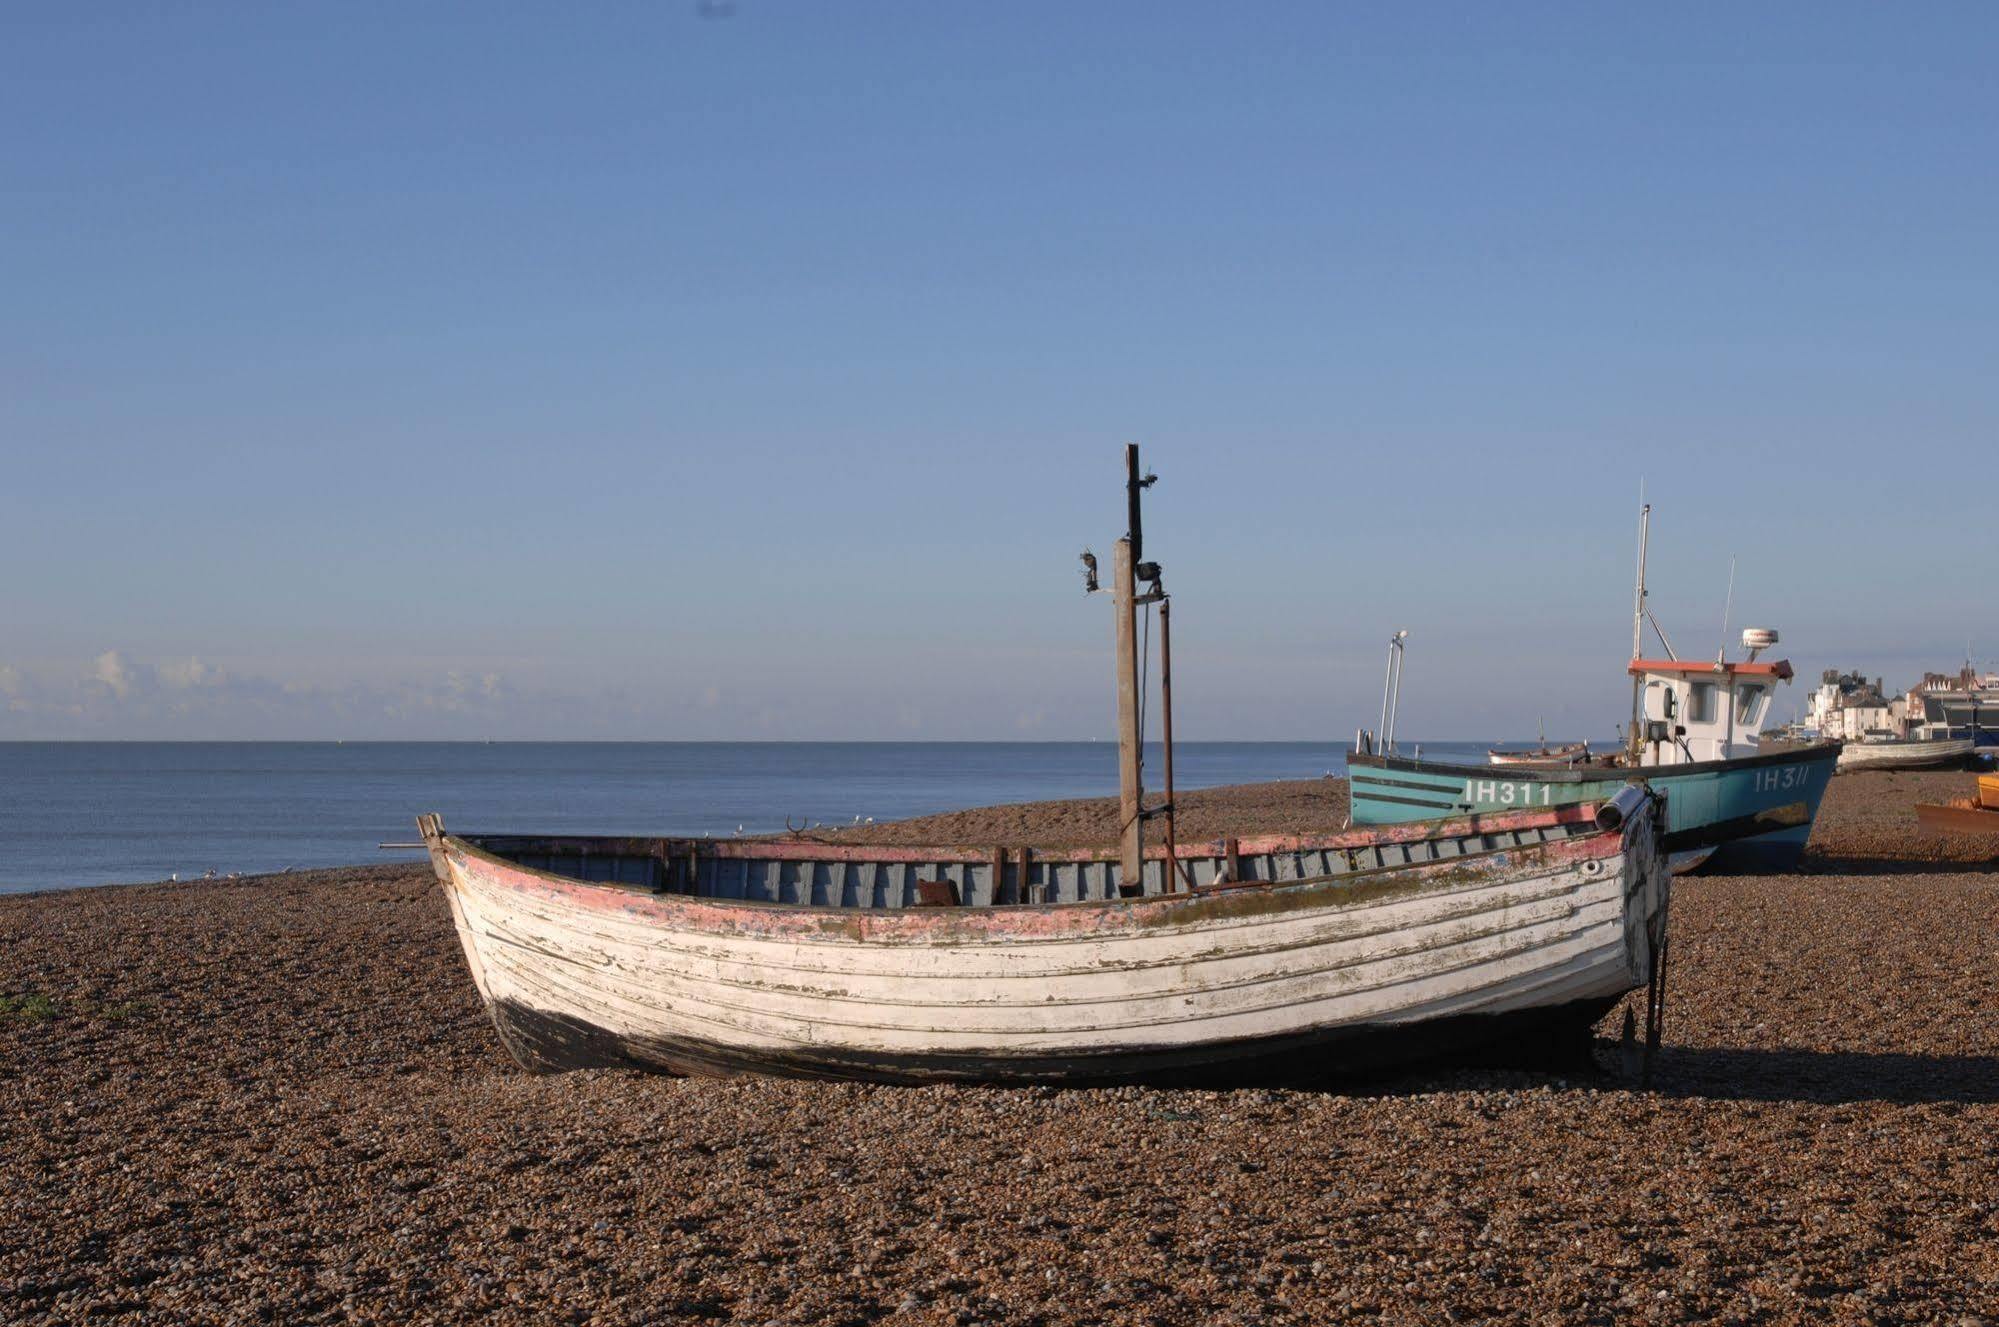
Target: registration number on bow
{"x": 1781, "y": 776}
{"x": 1498, "y": 792}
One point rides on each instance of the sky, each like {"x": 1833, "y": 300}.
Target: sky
{"x": 668, "y": 371}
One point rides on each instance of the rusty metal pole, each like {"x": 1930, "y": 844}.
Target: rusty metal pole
{"x": 1124, "y": 593}
{"x": 1166, "y": 735}
{"x": 1133, "y": 503}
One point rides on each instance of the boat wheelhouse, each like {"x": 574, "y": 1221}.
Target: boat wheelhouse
{"x": 1692, "y": 712}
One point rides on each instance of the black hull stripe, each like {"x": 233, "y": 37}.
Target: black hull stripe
{"x": 1372, "y": 796}
{"x": 551, "y": 1043}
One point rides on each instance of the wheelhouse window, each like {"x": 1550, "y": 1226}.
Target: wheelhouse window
{"x": 1700, "y": 703}
{"x": 1747, "y": 699}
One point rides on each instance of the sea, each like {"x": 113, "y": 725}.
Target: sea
{"x": 94, "y": 813}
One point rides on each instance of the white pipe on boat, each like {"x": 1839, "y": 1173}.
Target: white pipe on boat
{"x": 1620, "y": 808}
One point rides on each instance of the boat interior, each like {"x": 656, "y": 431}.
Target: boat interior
{"x": 830, "y": 874}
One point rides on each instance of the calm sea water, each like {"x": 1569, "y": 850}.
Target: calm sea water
{"x": 85, "y": 813}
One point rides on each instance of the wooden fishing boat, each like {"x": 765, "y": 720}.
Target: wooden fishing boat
{"x": 1241, "y": 959}
{"x": 1568, "y": 753}
{"x": 1972, "y": 815}
{"x": 1965, "y": 817}
{"x": 1562, "y": 753}
{"x": 1723, "y": 794}
{"x": 1912, "y": 753}
{"x": 1730, "y": 804}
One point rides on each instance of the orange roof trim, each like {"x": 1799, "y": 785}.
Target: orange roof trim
{"x": 1778, "y": 668}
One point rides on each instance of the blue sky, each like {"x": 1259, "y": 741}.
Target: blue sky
{"x": 519, "y": 371}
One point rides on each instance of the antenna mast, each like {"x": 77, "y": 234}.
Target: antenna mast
{"x": 1727, "y": 610}
{"x": 1638, "y": 619}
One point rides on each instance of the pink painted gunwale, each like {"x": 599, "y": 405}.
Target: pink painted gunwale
{"x": 805, "y": 849}
{"x": 985, "y": 924}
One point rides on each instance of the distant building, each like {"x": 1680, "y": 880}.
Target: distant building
{"x": 1956, "y": 705}
{"x": 1847, "y": 707}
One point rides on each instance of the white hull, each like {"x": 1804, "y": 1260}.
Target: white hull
{"x": 579, "y": 972}
{"x": 1567, "y": 755}
{"x": 1903, "y": 755}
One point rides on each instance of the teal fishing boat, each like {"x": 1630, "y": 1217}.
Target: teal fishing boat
{"x": 1693, "y": 736}
{"x": 1704, "y": 799}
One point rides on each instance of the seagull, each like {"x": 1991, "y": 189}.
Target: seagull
{"x": 174, "y": 876}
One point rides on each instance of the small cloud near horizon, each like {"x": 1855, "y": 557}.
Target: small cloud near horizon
{"x": 115, "y": 695}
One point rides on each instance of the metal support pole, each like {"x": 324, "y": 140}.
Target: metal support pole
{"x": 1395, "y": 697}
{"x": 1134, "y": 518}
{"x": 1634, "y": 737}
{"x": 1166, "y": 735}
{"x": 1387, "y": 684}
{"x": 1131, "y": 846}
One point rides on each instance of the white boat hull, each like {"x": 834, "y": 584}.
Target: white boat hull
{"x": 1903, "y": 755}
{"x": 579, "y": 973}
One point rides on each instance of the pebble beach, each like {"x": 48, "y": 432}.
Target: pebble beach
{"x": 278, "y": 1100}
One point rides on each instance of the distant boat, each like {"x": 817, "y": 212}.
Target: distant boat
{"x": 1710, "y": 778}
{"x": 1542, "y": 754}
{"x": 1693, "y": 737}
{"x": 1569, "y": 753}
{"x": 1905, "y": 753}
{"x": 1243, "y": 959}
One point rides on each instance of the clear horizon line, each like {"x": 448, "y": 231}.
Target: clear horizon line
{"x": 707, "y": 741}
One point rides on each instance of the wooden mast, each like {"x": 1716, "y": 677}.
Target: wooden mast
{"x": 1124, "y": 595}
